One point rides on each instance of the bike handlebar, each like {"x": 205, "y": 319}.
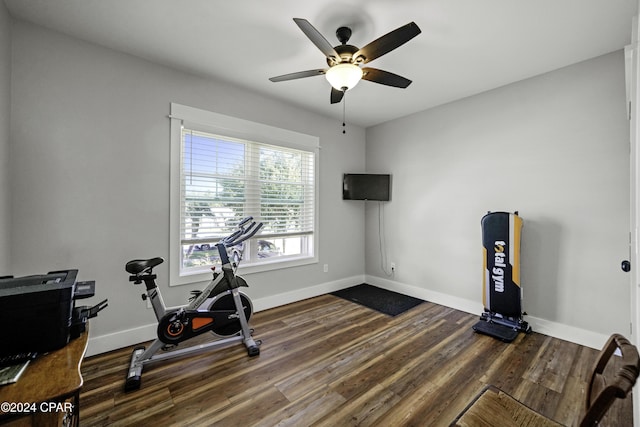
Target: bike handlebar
{"x": 251, "y": 231}
{"x": 242, "y": 233}
{"x": 237, "y": 237}
{"x": 245, "y": 220}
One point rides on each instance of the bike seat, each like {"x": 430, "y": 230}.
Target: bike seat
{"x": 138, "y": 266}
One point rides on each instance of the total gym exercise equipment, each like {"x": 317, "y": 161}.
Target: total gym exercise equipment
{"x": 220, "y": 309}
{"x": 501, "y": 288}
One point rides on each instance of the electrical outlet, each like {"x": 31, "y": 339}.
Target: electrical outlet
{"x": 325, "y": 268}
{"x": 393, "y": 266}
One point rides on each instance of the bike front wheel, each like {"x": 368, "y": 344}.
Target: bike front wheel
{"x": 224, "y": 301}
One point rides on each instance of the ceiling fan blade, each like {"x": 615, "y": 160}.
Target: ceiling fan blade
{"x": 387, "y": 43}
{"x": 317, "y": 39}
{"x": 384, "y": 77}
{"x": 298, "y": 75}
{"x": 336, "y": 95}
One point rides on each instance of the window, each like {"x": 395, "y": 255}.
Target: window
{"x": 224, "y": 169}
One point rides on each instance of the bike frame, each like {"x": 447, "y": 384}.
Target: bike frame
{"x": 202, "y": 302}
{"x": 149, "y": 355}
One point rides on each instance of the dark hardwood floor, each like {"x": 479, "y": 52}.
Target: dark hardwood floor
{"x": 329, "y": 362}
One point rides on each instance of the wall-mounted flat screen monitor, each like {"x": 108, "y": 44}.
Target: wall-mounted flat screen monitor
{"x": 366, "y": 186}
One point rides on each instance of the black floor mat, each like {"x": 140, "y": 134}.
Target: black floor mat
{"x": 382, "y": 300}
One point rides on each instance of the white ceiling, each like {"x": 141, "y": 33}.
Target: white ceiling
{"x": 466, "y": 46}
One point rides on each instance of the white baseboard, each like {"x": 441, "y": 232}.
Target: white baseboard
{"x": 568, "y": 333}
{"x": 554, "y": 329}
{"x": 266, "y": 303}
{"x": 115, "y": 340}
{"x": 461, "y": 304}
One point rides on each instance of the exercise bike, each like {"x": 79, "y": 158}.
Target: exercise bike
{"x": 220, "y": 309}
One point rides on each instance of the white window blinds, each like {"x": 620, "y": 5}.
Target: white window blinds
{"x": 224, "y": 179}
{"x": 224, "y": 168}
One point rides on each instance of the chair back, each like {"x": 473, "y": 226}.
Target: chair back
{"x": 607, "y": 386}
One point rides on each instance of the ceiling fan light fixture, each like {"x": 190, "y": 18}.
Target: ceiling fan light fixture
{"x": 344, "y": 76}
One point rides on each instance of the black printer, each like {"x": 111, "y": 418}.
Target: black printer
{"x": 38, "y": 313}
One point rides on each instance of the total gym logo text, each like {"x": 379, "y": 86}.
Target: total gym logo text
{"x": 498, "y": 266}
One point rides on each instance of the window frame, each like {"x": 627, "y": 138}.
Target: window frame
{"x": 232, "y": 127}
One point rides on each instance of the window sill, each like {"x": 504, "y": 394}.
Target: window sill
{"x": 205, "y": 276}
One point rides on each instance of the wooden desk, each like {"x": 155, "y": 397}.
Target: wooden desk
{"x": 50, "y": 378}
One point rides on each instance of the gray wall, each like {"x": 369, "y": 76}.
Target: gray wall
{"x": 5, "y": 114}
{"x": 89, "y": 177}
{"x": 556, "y": 148}
{"x": 90, "y": 167}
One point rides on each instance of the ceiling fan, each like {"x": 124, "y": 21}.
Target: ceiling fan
{"x": 344, "y": 60}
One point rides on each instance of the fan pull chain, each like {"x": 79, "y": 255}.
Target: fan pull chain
{"x": 344, "y": 103}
